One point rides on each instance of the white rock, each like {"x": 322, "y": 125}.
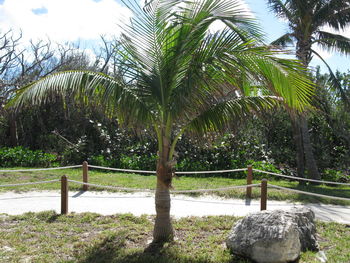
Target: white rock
{"x": 274, "y": 236}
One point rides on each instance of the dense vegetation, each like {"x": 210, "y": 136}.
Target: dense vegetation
{"x": 75, "y": 134}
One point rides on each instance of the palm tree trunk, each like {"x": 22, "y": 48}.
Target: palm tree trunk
{"x": 303, "y": 53}
{"x": 298, "y": 147}
{"x": 304, "y": 152}
{"x": 163, "y": 229}
{"x": 308, "y": 151}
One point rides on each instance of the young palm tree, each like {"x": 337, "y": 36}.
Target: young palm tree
{"x": 307, "y": 20}
{"x": 176, "y": 76}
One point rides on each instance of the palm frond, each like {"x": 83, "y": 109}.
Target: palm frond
{"x": 334, "y": 81}
{"x": 110, "y": 94}
{"x": 283, "y": 41}
{"x": 280, "y": 8}
{"x": 160, "y": 46}
{"x": 224, "y": 65}
{"x": 286, "y": 79}
{"x": 333, "y": 42}
{"x": 220, "y": 115}
{"x": 334, "y": 13}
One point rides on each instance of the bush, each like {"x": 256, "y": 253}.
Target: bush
{"x": 335, "y": 176}
{"x": 138, "y": 162}
{"x": 267, "y": 167}
{"x": 20, "y": 156}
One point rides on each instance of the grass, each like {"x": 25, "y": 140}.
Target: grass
{"x": 180, "y": 183}
{"x": 92, "y": 238}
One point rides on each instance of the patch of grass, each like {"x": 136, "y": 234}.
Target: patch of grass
{"x": 179, "y": 183}
{"x": 92, "y": 238}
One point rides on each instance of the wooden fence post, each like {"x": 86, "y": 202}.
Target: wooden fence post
{"x": 249, "y": 181}
{"x": 85, "y": 175}
{"x": 263, "y": 197}
{"x": 64, "y": 195}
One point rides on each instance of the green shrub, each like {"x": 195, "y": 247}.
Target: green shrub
{"x": 138, "y": 162}
{"x": 99, "y": 160}
{"x": 267, "y": 167}
{"x": 24, "y": 157}
{"x": 335, "y": 176}
{"x": 188, "y": 164}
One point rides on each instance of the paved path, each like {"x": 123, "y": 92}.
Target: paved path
{"x": 143, "y": 203}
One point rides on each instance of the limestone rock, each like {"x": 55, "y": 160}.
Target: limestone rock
{"x": 274, "y": 236}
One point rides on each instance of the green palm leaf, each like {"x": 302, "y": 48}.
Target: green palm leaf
{"x": 334, "y": 13}
{"x": 333, "y": 42}
{"x": 283, "y": 41}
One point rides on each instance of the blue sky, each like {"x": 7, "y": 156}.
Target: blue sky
{"x": 86, "y": 20}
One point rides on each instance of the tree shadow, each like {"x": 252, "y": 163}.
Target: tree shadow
{"x": 114, "y": 249}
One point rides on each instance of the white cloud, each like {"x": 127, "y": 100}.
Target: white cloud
{"x": 65, "y": 20}
{"x": 70, "y": 20}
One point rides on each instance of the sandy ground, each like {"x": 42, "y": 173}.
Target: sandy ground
{"x": 143, "y": 203}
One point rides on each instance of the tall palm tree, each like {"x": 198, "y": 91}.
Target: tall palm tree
{"x": 307, "y": 20}
{"x": 176, "y": 76}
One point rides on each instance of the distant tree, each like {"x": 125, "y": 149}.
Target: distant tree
{"x": 333, "y": 116}
{"x": 20, "y": 65}
{"x": 307, "y": 20}
{"x": 176, "y": 76}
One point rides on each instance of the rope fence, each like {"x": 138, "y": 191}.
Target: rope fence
{"x": 30, "y": 183}
{"x": 86, "y": 166}
{"x": 221, "y": 171}
{"x": 172, "y": 191}
{"x": 214, "y": 172}
{"x": 308, "y": 193}
{"x": 214, "y": 189}
{"x": 300, "y": 178}
{"x": 122, "y": 170}
{"x": 41, "y": 169}
{"x": 113, "y": 187}
{"x": 248, "y": 186}
{"x": 154, "y": 172}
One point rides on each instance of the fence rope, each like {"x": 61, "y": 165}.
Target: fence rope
{"x": 180, "y": 172}
{"x": 308, "y": 193}
{"x": 215, "y": 189}
{"x": 41, "y": 169}
{"x": 122, "y": 170}
{"x": 30, "y": 183}
{"x": 154, "y": 172}
{"x": 300, "y": 178}
{"x": 112, "y": 187}
{"x": 175, "y": 191}
{"x": 213, "y": 172}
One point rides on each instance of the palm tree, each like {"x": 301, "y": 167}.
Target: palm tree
{"x": 176, "y": 76}
{"x": 307, "y": 20}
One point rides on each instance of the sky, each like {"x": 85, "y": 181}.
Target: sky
{"x": 84, "y": 21}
